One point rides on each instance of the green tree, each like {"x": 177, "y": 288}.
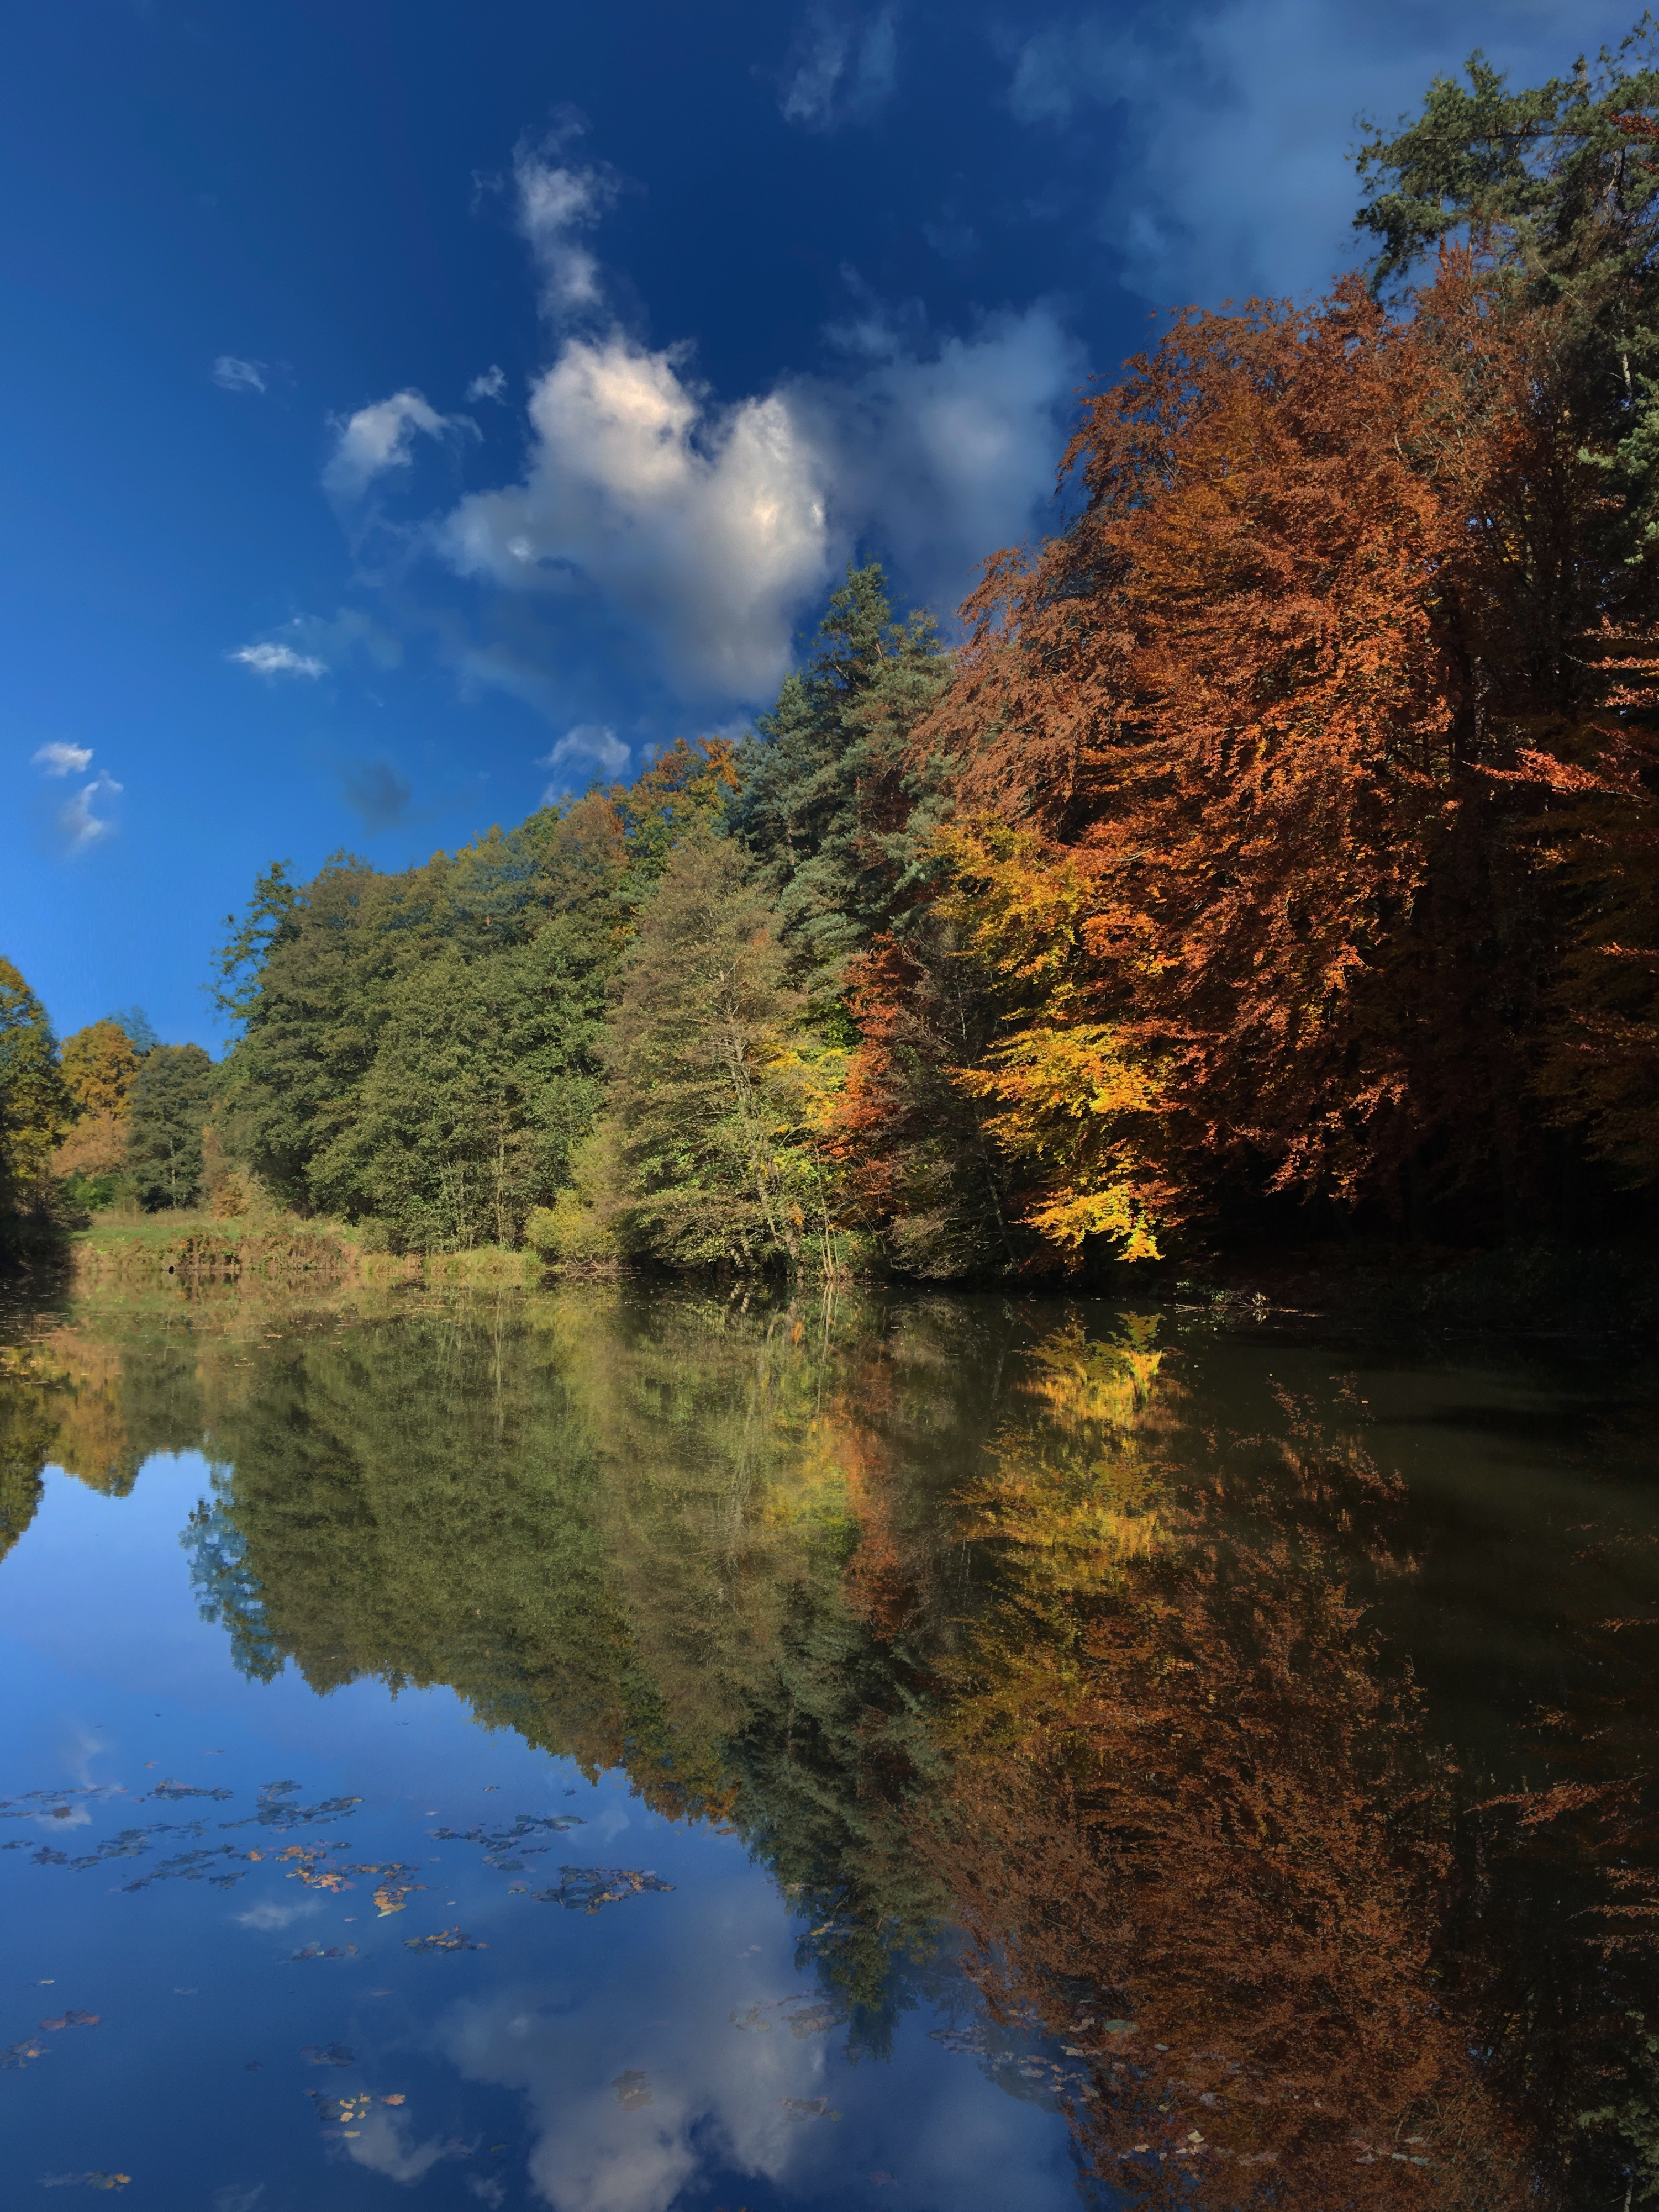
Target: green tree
{"x": 715, "y": 1079}
{"x": 484, "y": 1080}
{"x": 34, "y": 1107}
{"x": 828, "y": 804}
{"x": 170, "y": 1098}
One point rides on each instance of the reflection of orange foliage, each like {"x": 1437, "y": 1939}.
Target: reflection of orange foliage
{"x": 92, "y": 1441}
{"x": 1186, "y": 1803}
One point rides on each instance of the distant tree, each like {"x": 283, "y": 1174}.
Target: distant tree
{"x": 34, "y": 1107}
{"x": 170, "y": 1101}
{"x": 98, "y": 1065}
{"x": 136, "y": 1026}
{"x": 715, "y": 1082}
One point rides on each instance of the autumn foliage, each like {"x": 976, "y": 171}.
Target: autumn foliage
{"x": 1299, "y": 783}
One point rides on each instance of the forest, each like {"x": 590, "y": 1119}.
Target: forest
{"x": 1276, "y": 858}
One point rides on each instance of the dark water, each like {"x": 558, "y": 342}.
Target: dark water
{"x": 621, "y": 1750}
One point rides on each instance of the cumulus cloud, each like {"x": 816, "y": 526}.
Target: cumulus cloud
{"x": 80, "y": 821}
{"x": 593, "y": 743}
{"x": 702, "y": 527}
{"x": 556, "y": 202}
{"x": 234, "y": 375}
{"x": 489, "y": 386}
{"x": 704, "y": 530}
{"x": 278, "y": 660}
{"x": 377, "y": 793}
{"x": 57, "y": 759}
{"x": 378, "y": 438}
{"x": 843, "y": 71}
{"x": 1235, "y": 121}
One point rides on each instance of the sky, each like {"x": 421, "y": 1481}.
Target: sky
{"x": 416, "y": 409}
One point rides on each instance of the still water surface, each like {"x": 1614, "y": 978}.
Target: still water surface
{"x": 623, "y": 1750}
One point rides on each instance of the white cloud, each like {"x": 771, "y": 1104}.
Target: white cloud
{"x": 1237, "y": 121}
{"x": 704, "y": 527}
{"x": 489, "y": 386}
{"x": 843, "y": 71}
{"x": 378, "y": 438}
{"x": 236, "y": 375}
{"x": 278, "y": 660}
{"x": 595, "y": 743}
{"x": 80, "y": 823}
{"x": 555, "y": 201}
{"x": 57, "y": 759}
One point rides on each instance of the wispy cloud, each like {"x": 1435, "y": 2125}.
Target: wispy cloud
{"x": 556, "y": 202}
{"x": 843, "y": 71}
{"x": 237, "y": 375}
{"x": 595, "y": 743}
{"x": 377, "y": 793}
{"x": 57, "y": 759}
{"x": 380, "y": 437}
{"x": 1232, "y": 123}
{"x": 278, "y": 660}
{"x": 489, "y": 386}
{"x": 80, "y": 821}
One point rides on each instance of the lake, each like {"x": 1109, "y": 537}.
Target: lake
{"x": 627, "y": 1748}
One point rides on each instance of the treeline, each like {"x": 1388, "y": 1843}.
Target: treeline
{"x": 1280, "y": 850}
{"x": 112, "y": 1115}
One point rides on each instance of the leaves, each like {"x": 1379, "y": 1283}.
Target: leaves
{"x": 632, "y": 2091}
{"x": 447, "y": 1939}
{"x": 584, "y": 1889}
{"x": 327, "y": 2054}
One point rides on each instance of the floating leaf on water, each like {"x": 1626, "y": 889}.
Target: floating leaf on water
{"x": 447, "y": 1939}
{"x": 750, "y": 2018}
{"x": 19, "y": 2054}
{"x": 328, "y": 2054}
{"x": 72, "y": 2020}
{"x": 85, "y": 2180}
{"x": 808, "y": 2108}
{"x": 399, "y": 2099}
{"x": 320, "y": 1951}
{"x": 333, "y": 2111}
{"x": 276, "y": 1812}
{"x": 190, "y": 1866}
{"x": 187, "y": 1790}
{"x": 390, "y": 1898}
{"x": 631, "y": 2090}
{"x": 584, "y": 1889}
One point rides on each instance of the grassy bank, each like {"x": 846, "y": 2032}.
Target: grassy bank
{"x": 275, "y": 1249}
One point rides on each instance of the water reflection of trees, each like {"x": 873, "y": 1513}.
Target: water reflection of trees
{"x": 964, "y": 1614}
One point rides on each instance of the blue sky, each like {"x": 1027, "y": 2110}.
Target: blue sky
{"x": 414, "y": 407}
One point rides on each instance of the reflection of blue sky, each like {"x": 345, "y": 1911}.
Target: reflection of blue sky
{"x": 110, "y": 1681}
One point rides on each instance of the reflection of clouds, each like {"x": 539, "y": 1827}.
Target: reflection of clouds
{"x": 385, "y": 2144}
{"x": 610, "y": 1822}
{"x": 265, "y": 1917}
{"x": 593, "y": 2154}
